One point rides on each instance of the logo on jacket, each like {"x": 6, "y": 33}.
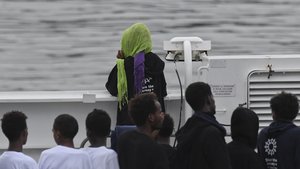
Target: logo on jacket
{"x": 270, "y": 146}
{"x": 147, "y": 85}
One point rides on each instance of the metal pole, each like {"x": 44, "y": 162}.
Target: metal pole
{"x": 187, "y": 50}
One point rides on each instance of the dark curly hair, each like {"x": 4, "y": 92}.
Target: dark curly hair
{"x": 98, "y": 122}
{"x": 67, "y": 125}
{"x": 197, "y": 94}
{"x": 285, "y": 106}
{"x": 141, "y": 106}
{"x": 13, "y": 123}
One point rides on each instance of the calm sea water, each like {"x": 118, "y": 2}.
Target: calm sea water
{"x": 71, "y": 45}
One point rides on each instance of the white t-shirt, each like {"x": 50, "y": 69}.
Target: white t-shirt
{"x": 16, "y": 160}
{"x": 102, "y": 157}
{"x": 61, "y": 157}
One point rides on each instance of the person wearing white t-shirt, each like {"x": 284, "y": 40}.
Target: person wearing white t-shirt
{"x": 98, "y": 125}
{"x": 14, "y": 128}
{"x": 64, "y": 155}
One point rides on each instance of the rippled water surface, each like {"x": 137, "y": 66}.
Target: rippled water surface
{"x": 71, "y": 45}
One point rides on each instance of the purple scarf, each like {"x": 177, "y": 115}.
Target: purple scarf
{"x": 139, "y": 71}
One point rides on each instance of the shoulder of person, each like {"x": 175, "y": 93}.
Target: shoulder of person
{"x": 83, "y": 153}
{"x": 128, "y": 135}
{"x": 263, "y": 131}
{"x": 28, "y": 158}
{"x": 110, "y": 151}
{"x": 31, "y": 162}
{"x": 152, "y": 56}
{"x": 212, "y": 131}
{"x": 47, "y": 151}
{"x": 295, "y": 129}
{"x": 294, "y": 132}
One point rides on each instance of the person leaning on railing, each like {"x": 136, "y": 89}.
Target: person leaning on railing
{"x": 137, "y": 71}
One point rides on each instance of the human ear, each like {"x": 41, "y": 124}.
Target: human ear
{"x": 56, "y": 134}
{"x": 151, "y": 117}
{"x": 25, "y": 135}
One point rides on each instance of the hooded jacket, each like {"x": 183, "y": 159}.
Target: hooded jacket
{"x": 201, "y": 144}
{"x": 279, "y": 145}
{"x": 154, "y": 81}
{"x": 244, "y": 130}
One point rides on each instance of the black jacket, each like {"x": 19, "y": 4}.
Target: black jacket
{"x": 169, "y": 151}
{"x": 244, "y": 130}
{"x": 242, "y": 156}
{"x": 156, "y": 83}
{"x": 279, "y": 145}
{"x": 201, "y": 144}
{"x": 137, "y": 151}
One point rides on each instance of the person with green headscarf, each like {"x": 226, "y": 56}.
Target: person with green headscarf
{"x": 137, "y": 71}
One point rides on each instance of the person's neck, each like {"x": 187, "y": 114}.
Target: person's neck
{"x": 163, "y": 140}
{"x": 281, "y": 120}
{"x": 98, "y": 142}
{"x": 147, "y": 130}
{"x": 67, "y": 143}
{"x": 15, "y": 146}
{"x": 205, "y": 109}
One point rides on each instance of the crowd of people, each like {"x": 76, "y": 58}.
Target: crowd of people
{"x": 138, "y": 82}
{"x": 201, "y": 142}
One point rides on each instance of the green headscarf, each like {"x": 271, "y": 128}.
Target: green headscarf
{"x": 135, "y": 39}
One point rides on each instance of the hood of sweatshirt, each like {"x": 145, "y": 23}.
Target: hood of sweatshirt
{"x": 244, "y": 126}
{"x": 278, "y": 127}
{"x": 186, "y": 135}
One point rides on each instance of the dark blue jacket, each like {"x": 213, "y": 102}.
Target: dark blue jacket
{"x": 279, "y": 145}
